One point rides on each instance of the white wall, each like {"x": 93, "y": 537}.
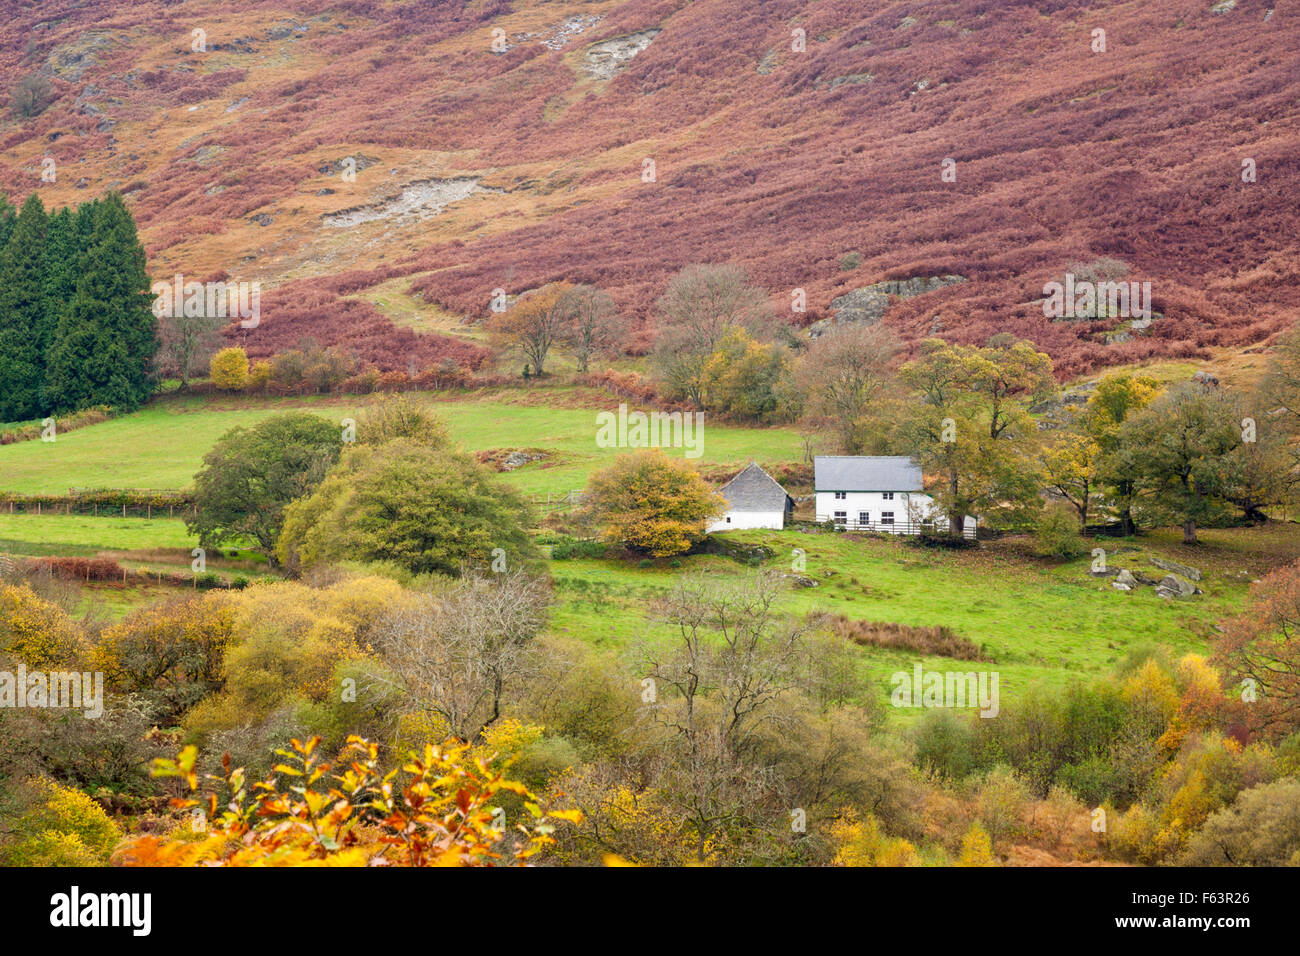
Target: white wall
{"x": 742, "y": 520}
{"x": 910, "y": 511}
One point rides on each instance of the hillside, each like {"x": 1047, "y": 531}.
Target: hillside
{"x": 479, "y": 169}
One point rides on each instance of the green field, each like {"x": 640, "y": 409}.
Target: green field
{"x": 84, "y": 535}
{"x": 162, "y": 446}
{"x": 1040, "y": 622}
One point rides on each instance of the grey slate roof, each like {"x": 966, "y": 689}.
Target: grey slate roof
{"x": 754, "y": 490}
{"x": 866, "y": 473}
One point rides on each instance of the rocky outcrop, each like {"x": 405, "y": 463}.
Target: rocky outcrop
{"x": 602, "y": 60}
{"x": 416, "y": 201}
{"x": 869, "y": 303}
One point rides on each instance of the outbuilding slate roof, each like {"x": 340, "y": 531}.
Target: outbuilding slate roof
{"x": 754, "y": 490}
{"x": 866, "y": 473}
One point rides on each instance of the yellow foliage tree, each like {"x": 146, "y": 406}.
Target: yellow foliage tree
{"x": 286, "y": 643}
{"x": 228, "y": 369}
{"x": 976, "y": 848}
{"x": 652, "y": 503}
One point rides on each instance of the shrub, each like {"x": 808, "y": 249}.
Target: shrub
{"x": 38, "y": 632}
{"x": 1056, "y": 534}
{"x": 31, "y": 96}
{"x": 429, "y": 509}
{"x": 850, "y": 261}
{"x": 936, "y": 641}
{"x": 440, "y": 812}
{"x": 229, "y": 369}
{"x": 64, "y": 827}
{"x": 172, "y": 653}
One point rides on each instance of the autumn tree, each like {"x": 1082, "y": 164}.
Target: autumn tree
{"x": 455, "y": 653}
{"x": 188, "y": 342}
{"x": 844, "y": 377}
{"x": 1116, "y": 398}
{"x": 1182, "y": 446}
{"x": 970, "y": 424}
{"x": 228, "y": 369}
{"x": 1260, "y": 651}
{"x": 744, "y": 378}
{"x": 733, "y": 656}
{"x": 401, "y": 415}
{"x": 652, "y": 503}
{"x": 595, "y": 325}
{"x": 536, "y": 322}
{"x": 701, "y": 305}
{"x": 172, "y": 653}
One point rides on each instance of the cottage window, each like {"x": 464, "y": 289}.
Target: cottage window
{"x": 887, "y": 495}
{"x": 886, "y": 517}
{"x": 864, "y": 517}
{"x": 841, "y": 495}
{"x": 841, "y": 517}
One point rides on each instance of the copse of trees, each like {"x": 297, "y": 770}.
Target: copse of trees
{"x": 426, "y": 508}
{"x": 253, "y": 473}
{"x": 580, "y": 318}
{"x": 702, "y": 306}
{"x": 76, "y": 325}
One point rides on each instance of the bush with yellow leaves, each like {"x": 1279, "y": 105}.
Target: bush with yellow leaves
{"x": 62, "y": 827}
{"x": 172, "y": 653}
{"x": 38, "y": 632}
{"x": 441, "y": 808}
{"x": 864, "y": 843}
{"x": 287, "y": 644}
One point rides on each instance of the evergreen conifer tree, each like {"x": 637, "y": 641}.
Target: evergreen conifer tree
{"x": 23, "y": 315}
{"x": 105, "y": 337}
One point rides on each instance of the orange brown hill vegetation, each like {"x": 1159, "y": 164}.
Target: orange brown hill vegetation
{"x": 322, "y": 148}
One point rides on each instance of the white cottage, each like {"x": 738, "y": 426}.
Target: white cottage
{"x": 877, "y": 493}
{"x": 754, "y": 500}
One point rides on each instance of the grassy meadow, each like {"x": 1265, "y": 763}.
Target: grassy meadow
{"x": 1038, "y": 622}
{"x": 162, "y": 446}
{"x": 1041, "y": 623}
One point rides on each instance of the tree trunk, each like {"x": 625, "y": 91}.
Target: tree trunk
{"x": 1126, "y": 525}
{"x": 1189, "y": 532}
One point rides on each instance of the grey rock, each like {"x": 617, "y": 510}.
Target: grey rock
{"x": 1173, "y": 586}
{"x": 869, "y": 303}
{"x": 517, "y": 459}
{"x": 1183, "y": 569}
{"x": 1125, "y": 580}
